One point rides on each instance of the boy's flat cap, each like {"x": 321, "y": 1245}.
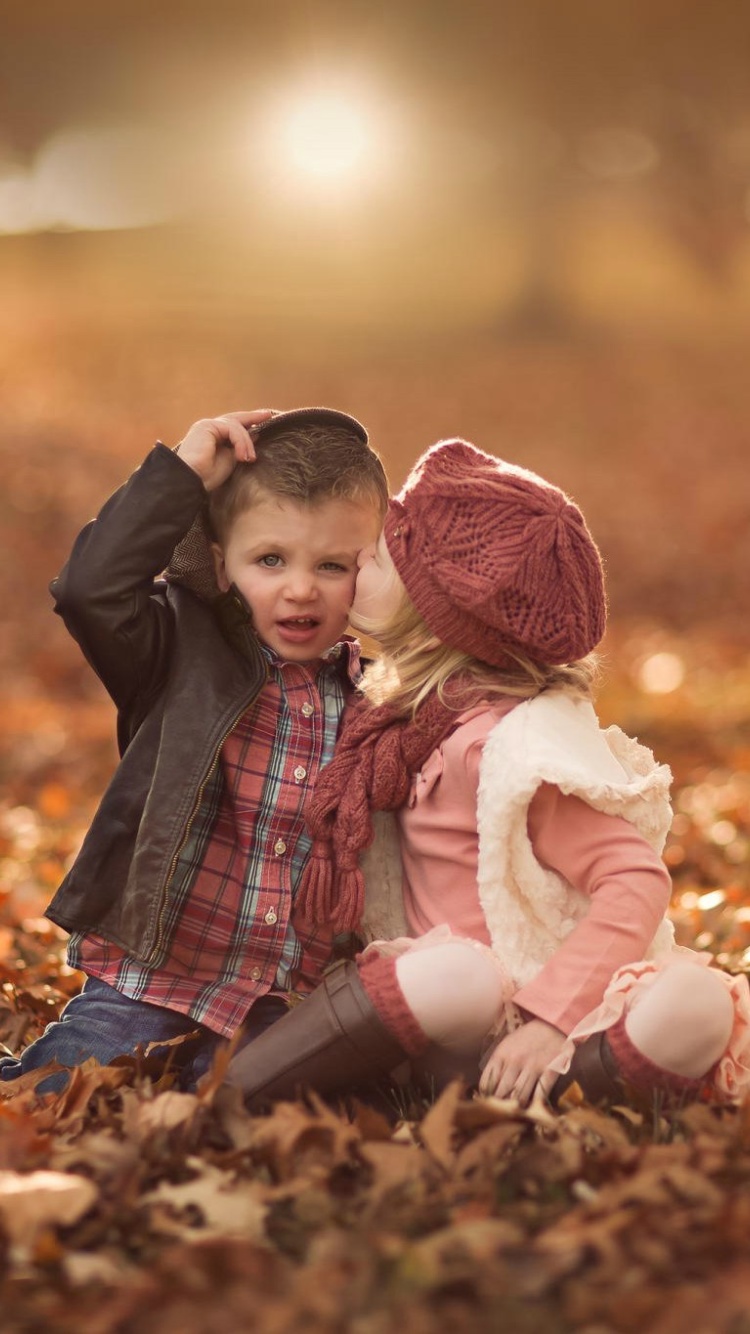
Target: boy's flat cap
{"x": 283, "y": 421}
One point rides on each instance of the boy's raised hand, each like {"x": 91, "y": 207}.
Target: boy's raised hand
{"x": 214, "y": 445}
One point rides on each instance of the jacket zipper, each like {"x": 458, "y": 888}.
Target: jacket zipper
{"x": 189, "y": 824}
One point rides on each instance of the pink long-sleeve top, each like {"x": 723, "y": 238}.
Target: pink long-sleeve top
{"x": 603, "y": 855}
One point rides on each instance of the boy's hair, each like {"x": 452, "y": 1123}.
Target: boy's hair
{"x": 415, "y": 662}
{"x": 308, "y": 464}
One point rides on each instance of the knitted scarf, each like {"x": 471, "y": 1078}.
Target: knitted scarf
{"x": 377, "y": 753}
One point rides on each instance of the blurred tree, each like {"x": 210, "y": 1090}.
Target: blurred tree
{"x": 649, "y": 102}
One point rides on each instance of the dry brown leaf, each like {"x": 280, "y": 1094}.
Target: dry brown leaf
{"x": 84, "y": 1267}
{"x": 478, "y": 1112}
{"x": 598, "y": 1130}
{"x": 228, "y": 1106}
{"x": 293, "y": 1139}
{"x": 14, "y": 1027}
{"x": 217, "y": 1203}
{"x": 71, "y": 1104}
{"x": 165, "y": 1044}
{"x": 629, "y": 1115}
{"x": 393, "y": 1165}
{"x": 458, "y": 1253}
{"x": 438, "y": 1128}
{"x": 623, "y": 1298}
{"x": 215, "y": 1078}
{"x": 22, "y": 1142}
{"x": 371, "y": 1124}
{"x": 486, "y": 1151}
{"x": 693, "y": 1186}
{"x": 34, "y": 1201}
{"x": 166, "y": 1111}
{"x": 580, "y": 1238}
{"x": 721, "y": 1305}
{"x": 404, "y": 1133}
{"x": 115, "y": 1163}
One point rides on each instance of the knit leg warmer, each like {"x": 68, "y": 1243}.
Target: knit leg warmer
{"x": 379, "y": 978}
{"x": 644, "y": 1075}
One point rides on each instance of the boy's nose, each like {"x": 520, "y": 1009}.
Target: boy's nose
{"x": 301, "y": 585}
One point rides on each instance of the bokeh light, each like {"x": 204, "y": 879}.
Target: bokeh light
{"x": 661, "y": 673}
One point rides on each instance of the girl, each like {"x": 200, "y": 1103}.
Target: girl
{"x": 533, "y": 947}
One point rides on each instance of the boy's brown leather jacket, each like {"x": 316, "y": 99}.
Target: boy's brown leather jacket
{"x": 171, "y": 663}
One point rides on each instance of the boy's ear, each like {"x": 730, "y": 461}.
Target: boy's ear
{"x": 220, "y": 568}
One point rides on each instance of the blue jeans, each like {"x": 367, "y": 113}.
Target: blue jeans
{"x": 102, "y": 1023}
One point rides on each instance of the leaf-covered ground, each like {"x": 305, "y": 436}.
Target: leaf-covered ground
{"x": 126, "y": 1205}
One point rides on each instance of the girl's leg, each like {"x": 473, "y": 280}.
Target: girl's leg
{"x": 334, "y": 1041}
{"x": 682, "y": 1023}
{"x": 667, "y": 1041}
{"x": 363, "y": 1021}
{"x": 454, "y": 992}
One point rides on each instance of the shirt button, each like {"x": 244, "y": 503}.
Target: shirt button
{"x": 270, "y": 917}
{"x": 307, "y": 709}
{"x": 256, "y": 974}
{"x": 279, "y": 847}
{"x": 300, "y": 773}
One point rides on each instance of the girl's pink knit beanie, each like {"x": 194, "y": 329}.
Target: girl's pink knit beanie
{"x": 495, "y": 558}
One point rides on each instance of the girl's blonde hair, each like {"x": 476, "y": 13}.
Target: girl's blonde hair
{"x": 414, "y": 662}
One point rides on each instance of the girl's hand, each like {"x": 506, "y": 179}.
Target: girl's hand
{"x": 212, "y": 447}
{"x": 519, "y": 1059}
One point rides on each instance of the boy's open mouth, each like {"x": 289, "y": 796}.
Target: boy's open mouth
{"x": 298, "y": 627}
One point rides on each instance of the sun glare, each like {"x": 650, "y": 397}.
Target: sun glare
{"x": 331, "y": 141}
{"x": 326, "y": 136}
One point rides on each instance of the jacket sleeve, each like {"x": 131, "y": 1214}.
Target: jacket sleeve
{"x": 105, "y": 593}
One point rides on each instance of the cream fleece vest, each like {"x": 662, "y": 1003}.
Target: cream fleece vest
{"x": 554, "y": 738}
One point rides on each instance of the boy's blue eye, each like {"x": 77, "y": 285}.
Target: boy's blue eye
{"x": 335, "y": 567}
{"x": 269, "y": 560}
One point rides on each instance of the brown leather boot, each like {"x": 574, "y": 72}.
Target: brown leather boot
{"x": 332, "y": 1041}
{"x": 595, "y": 1070}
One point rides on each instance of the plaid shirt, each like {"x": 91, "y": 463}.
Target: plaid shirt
{"x": 231, "y": 931}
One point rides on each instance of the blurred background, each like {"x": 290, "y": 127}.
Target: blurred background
{"x": 522, "y": 221}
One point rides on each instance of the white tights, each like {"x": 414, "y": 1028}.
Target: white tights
{"x": 682, "y": 1021}
{"x": 454, "y": 992}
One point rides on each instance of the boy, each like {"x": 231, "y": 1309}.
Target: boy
{"x": 230, "y": 676}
